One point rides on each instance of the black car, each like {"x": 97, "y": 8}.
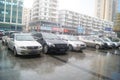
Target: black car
{"x": 51, "y": 42}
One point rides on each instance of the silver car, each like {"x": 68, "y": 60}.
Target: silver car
{"x": 95, "y": 42}
{"x": 116, "y": 41}
{"x": 74, "y": 43}
{"x": 108, "y": 42}
{"x": 24, "y": 44}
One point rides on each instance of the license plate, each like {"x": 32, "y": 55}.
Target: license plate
{"x": 32, "y": 52}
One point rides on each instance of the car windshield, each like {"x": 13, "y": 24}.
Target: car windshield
{"x": 107, "y": 40}
{"x": 50, "y": 36}
{"x": 72, "y": 38}
{"x": 99, "y": 40}
{"x": 24, "y": 38}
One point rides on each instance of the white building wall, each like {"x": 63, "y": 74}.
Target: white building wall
{"x": 73, "y": 19}
{"x": 45, "y": 10}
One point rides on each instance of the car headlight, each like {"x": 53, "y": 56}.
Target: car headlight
{"x": 109, "y": 44}
{"x": 23, "y": 47}
{"x": 39, "y": 47}
{"x": 115, "y": 44}
{"x": 51, "y": 44}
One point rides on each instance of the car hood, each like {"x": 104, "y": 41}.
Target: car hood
{"x": 56, "y": 41}
{"x": 27, "y": 43}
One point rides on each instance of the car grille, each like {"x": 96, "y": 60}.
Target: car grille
{"x": 105, "y": 44}
{"x": 60, "y": 45}
{"x": 33, "y": 47}
{"x": 82, "y": 45}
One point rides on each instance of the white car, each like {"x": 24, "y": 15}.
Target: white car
{"x": 6, "y": 36}
{"x": 74, "y": 43}
{"x": 24, "y": 44}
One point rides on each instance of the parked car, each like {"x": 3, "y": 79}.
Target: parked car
{"x": 1, "y": 34}
{"x": 116, "y": 41}
{"x": 51, "y": 42}
{"x": 74, "y": 43}
{"x": 24, "y": 44}
{"x": 109, "y": 42}
{"x": 94, "y": 42}
{"x": 6, "y": 36}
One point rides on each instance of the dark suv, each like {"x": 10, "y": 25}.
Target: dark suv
{"x": 51, "y": 42}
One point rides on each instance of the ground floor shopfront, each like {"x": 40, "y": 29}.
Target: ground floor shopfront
{"x": 12, "y": 27}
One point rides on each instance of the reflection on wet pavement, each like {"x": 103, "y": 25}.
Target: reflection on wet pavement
{"x": 89, "y": 65}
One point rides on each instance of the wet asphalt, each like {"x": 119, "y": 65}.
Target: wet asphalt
{"x": 90, "y": 65}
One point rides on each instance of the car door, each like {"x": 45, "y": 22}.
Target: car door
{"x": 93, "y": 42}
{"x": 88, "y": 41}
{"x": 11, "y": 41}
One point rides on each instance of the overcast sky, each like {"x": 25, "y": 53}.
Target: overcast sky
{"x": 81, "y": 6}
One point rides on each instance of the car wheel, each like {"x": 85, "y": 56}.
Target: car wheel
{"x": 45, "y": 49}
{"x": 70, "y": 48}
{"x": 15, "y": 52}
{"x": 97, "y": 46}
{"x": 8, "y": 47}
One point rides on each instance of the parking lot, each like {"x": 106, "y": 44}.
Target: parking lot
{"x": 90, "y": 65}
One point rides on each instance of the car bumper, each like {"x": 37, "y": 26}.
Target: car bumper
{"x": 57, "y": 50}
{"x": 29, "y": 52}
{"x": 79, "y": 48}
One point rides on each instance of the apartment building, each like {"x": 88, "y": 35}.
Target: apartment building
{"x": 117, "y": 18}
{"x": 105, "y": 9}
{"x": 45, "y": 10}
{"x": 74, "y": 20}
{"x": 118, "y": 7}
{"x": 26, "y": 18}
{"x": 11, "y": 14}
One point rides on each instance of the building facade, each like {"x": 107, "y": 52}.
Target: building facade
{"x": 26, "y": 18}
{"x": 118, "y": 7}
{"x": 106, "y": 9}
{"x": 45, "y": 10}
{"x": 72, "y": 19}
{"x": 73, "y": 23}
{"x": 117, "y": 18}
{"x": 11, "y": 14}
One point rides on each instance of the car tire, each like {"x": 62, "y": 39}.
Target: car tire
{"x": 15, "y": 52}
{"x": 97, "y": 46}
{"x": 45, "y": 49}
{"x": 8, "y": 47}
{"x": 70, "y": 48}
